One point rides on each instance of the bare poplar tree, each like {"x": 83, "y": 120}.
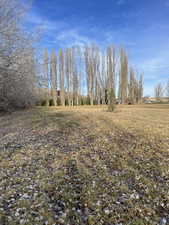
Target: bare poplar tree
{"x": 111, "y": 75}
{"x": 92, "y": 69}
{"x": 103, "y": 79}
{"x": 158, "y": 91}
{"x": 53, "y": 74}
{"x": 89, "y": 74}
{"x": 62, "y": 76}
{"x": 167, "y": 89}
{"x": 123, "y": 76}
{"x": 132, "y": 97}
{"x": 95, "y": 70}
{"x": 140, "y": 91}
{"x": 79, "y": 65}
{"x": 75, "y": 75}
{"x": 68, "y": 74}
{"x": 46, "y": 76}
{"x": 96, "y": 65}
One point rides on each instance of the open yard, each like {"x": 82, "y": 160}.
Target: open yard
{"x": 85, "y": 166}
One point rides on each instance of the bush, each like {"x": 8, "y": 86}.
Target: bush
{"x": 87, "y": 101}
{"x": 44, "y": 103}
{"x": 82, "y": 101}
{"x": 111, "y": 107}
{"x": 51, "y": 102}
{"x": 18, "y": 82}
{"x": 58, "y": 101}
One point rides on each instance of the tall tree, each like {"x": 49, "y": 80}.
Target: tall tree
{"x": 92, "y": 61}
{"x": 68, "y": 75}
{"x": 80, "y": 72}
{"x": 158, "y": 91}
{"x": 111, "y": 73}
{"x": 132, "y": 86}
{"x": 89, "y": 72}
{"x": 75, "y": 61}
{"x": 95, "y": 70}
{"x": 123, "y": 76}
{"x": 46, "y": 77}
{"x": 17, "y": 58}
{"x": 62, "y": 76}
{"x": 53, "y": 73}
{"x": 167, "y": 89}
{"x": 140, "y": 91}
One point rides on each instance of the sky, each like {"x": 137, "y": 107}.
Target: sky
{"x": 141, "y": 26}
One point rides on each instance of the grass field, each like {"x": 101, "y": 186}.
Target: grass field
{"x": 85, "y": 166}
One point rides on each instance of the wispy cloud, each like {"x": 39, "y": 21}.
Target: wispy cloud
{"x": 72, "y": 37}
{"x": 155, "y": 64}
{"x": 58, "y": 32}
{"x": 38, "y": 21}
{"x": 119, "y": 37}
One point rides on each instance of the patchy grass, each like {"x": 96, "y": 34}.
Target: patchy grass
{"x": 85, "y": 166}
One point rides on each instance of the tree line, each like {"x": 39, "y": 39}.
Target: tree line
{"x": 161, "y": 90}
{"x": 72, "y": 76}
{"x": 89, "y": 75}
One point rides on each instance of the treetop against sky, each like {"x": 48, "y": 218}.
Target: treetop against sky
{"x": 139, "y": 26}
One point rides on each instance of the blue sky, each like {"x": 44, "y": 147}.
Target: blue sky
{"x": 141, "y": 26}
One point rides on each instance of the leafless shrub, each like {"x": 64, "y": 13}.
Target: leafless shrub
{"x": 17, "y": 58}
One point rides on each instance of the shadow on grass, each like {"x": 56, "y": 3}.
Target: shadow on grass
{"x": 39, "y": 128}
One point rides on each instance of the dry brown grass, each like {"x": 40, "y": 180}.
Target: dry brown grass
{"x": 84, "y": 165}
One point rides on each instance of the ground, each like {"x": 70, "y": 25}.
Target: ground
{"x": 85, "y": 166}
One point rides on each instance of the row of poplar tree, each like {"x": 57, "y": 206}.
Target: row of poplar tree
{"x": 89, "y": 75}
